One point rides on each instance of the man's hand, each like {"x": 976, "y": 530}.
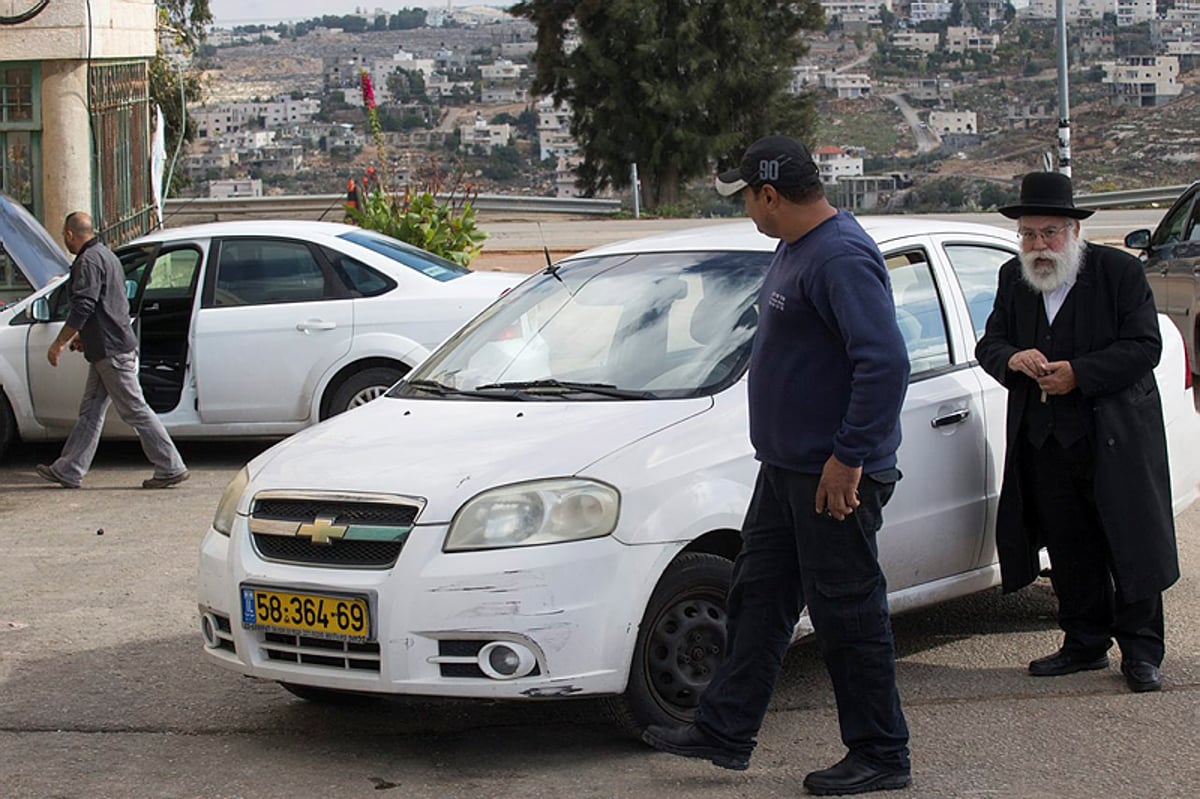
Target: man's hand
{"x": 55, "y": 351}
{"x": 76, "y": 345}
{"x": 1058, "y": 379}
{"x": 837, "y": 492}
{"x": 1029, "y": 362}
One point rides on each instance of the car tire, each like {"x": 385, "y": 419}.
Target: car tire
{"x": 362, "y": 387}
{"x": 680, "y": 643}
{"x": 329, "y": 696}
{"x": 8, "y": 425}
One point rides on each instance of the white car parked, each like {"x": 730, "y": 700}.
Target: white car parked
{"x": 549, "y": 505}
{"x": 246, "y": 328}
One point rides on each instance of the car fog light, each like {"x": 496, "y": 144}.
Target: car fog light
{"x": 504, "y": 660}
{"x": 208, "y": 631}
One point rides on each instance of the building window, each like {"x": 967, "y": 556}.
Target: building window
{"x": 122, "y": 197}
{"x": 20, "y": 135}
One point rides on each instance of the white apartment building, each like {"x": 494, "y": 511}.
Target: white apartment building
{"x": 915, "y": 40}
{"x": 854, "y": 10}
{"x": 1143, "y": 81}
{"x": 804, "y": 78}
{"x": 1074, "y": 9}
{"x": 482, "y": 134}
{"x": 847, "y": 85}
{"x": 967, "y": 38}
{"x": 929, "y": 10}
{"x": 501, "y": 69}
{"x": 501, "y": 95}
{"x": 952, "y": 122}
{"x": 217, "y": 120}
{"x": 837, "y": 162}
{"x": 554, "y": 130}
{"x": 1131, "y": 12}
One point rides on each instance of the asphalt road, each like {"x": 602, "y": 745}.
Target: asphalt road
{"x": 103, "y": 692}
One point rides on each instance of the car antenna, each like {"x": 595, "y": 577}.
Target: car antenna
{"x": 551, "y": 269}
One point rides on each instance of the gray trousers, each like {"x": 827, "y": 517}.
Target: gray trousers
{"x": 115, "y": 380}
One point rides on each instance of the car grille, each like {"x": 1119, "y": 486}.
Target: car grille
{"x": 332, "y": 530}
{"x": 308, "y": 651}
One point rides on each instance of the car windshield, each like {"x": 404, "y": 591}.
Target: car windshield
{"x": 617, "y": 327}
{"x": 415, "y": 258}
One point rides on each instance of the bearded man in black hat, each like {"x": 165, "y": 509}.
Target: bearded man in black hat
{"x": 1074, "y": 337}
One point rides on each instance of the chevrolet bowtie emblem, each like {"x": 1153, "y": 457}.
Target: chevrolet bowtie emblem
{"x": 322, "y": 530}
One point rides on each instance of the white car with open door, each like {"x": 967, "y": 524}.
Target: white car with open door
{"x": 246, "y": 328}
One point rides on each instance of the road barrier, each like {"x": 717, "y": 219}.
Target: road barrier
{"x": 331, "y": 207}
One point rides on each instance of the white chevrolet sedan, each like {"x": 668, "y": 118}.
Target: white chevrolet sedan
{"x": 246, "y": 328}
{"x": 549, "y": 505}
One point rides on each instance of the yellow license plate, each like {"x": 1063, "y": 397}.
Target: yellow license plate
{"x": 322, "y": 615}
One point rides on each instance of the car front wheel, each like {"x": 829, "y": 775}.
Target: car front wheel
{"x": 680, "y": 643}
{"x": 362, "y": 387}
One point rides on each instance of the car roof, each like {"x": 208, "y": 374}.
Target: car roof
{"x": 292, "y": 228}
{"x": 742, "y": 235}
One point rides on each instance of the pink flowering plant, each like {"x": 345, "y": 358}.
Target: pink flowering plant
{"x": 436, "y": 214}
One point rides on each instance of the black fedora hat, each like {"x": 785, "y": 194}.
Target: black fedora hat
{"x": 1046, "y": 194}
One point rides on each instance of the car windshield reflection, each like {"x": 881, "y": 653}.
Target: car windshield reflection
{"x": 646, "y": 326}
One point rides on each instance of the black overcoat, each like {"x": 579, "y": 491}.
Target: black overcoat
{"x": 1117, "y": 346}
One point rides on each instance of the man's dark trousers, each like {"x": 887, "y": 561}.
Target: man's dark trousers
{"x": 792, "y": 556}
{"x": 1060, "y": 482}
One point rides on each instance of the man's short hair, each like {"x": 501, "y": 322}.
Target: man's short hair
{"x": 79, "y": 223}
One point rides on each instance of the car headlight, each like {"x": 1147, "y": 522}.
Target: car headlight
{"x": 227, "y": 507}
{"x": 538, "y": 512}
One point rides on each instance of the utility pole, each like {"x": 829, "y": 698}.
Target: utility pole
{"x": 1064, "y": 112}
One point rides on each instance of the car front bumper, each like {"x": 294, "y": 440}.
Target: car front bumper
{"x": 571, "y": 610}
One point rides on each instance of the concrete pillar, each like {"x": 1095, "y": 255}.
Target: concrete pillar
{"x": 66, "y": 142}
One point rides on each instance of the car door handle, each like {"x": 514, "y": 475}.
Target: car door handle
{"x": 954, "y": 417}
{"x": 315, "y": 324}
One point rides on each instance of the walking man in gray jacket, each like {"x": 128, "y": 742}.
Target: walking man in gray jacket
{"x": 98, "y": 324}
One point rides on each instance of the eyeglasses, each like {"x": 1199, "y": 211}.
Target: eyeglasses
{"x": 1029, "y": 235}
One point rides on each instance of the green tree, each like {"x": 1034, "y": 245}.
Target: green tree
{"x": 671, "y": 85}
{"x": 174, "y": 82}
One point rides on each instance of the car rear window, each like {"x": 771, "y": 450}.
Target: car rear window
{"x": 414, "y": 258}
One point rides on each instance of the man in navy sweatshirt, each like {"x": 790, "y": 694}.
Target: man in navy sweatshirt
{"x": 828, "y": 375}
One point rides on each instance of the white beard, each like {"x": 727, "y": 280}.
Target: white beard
{"x": 1065, "y": 265}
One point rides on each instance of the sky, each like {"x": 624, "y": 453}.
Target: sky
{"x": 227, "y": 12}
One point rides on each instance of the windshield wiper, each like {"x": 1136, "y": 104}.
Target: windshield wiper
{"x": 443, "y": 390}
{"x": 552, "y": 386}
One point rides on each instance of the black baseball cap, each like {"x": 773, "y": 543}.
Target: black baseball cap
{"x": 780, "y": 161}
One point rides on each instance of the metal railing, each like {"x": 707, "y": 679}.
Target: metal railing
{"x": 1133, "y": 197}
{"x": 330, "y": 207}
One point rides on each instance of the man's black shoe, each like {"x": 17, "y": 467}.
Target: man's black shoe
{"x": 853, "y": 776}
{"x": 689, "y": 741}
{"x": 1061, "y": 663}
{"x": 1141, "y": 676}
{"x": 46, "y": 473}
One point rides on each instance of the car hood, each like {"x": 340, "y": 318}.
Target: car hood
{"x": 28, "y": 245}
{"x": 448, "y": 451}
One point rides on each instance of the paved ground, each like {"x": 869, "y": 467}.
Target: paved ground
{"x": 103, "y": 692}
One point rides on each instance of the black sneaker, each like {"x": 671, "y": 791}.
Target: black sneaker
{"x": 46, "y": 473}
{"x": 689, "y": 741}
{"x": 166, "y": 482}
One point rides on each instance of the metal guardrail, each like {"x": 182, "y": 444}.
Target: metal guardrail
{"x": 1112, "y": 199}
{"x": 187, "y": 211}
{"x": 329, "y": 207}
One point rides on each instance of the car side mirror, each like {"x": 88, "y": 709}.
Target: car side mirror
{"x": 1138, "y": 240}
{"x": 40, "y": 310}
{"x": 130, "y": 289}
